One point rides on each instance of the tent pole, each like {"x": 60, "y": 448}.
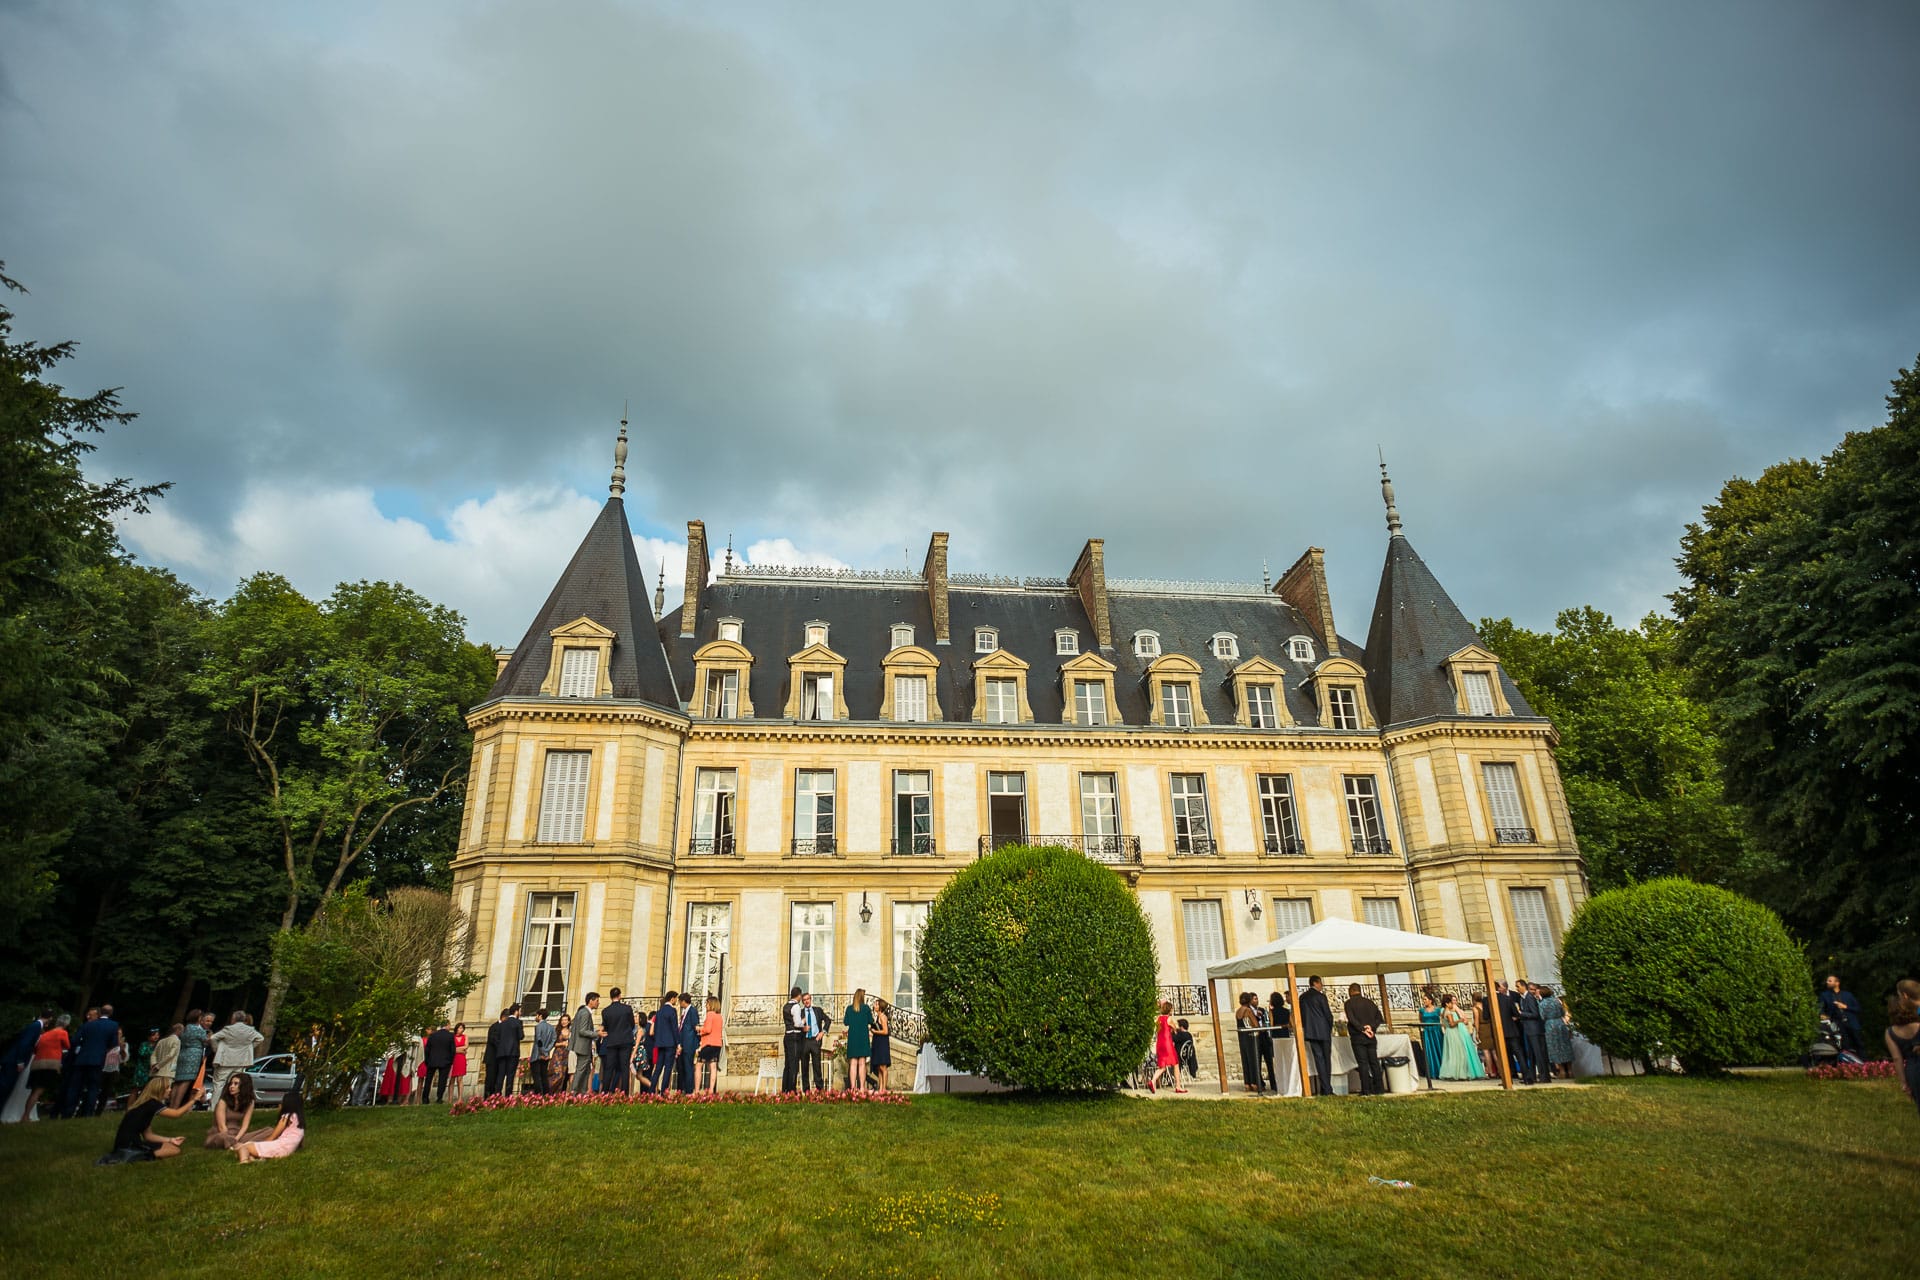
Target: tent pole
{"x": 1299, "y": 1032}
{"x": 1219, "y": 1049}
{"x": 1386, "y": 1004}
{"x": 1499, "y": 1032}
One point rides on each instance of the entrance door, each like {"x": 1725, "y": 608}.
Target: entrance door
{"x": 1007, "y": 808}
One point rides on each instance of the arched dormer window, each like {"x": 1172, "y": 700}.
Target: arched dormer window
{"x": 1173, "y": 692}
{"x": 1340, "y": 687}
{"x": 985, "y": 640}
{"x": 1226, "y": 646}
{"x": 1066, "y": 643}
{"x": 900, "y": 637}
{"x": 1146, "y": 644}
{"x": 730, "y": 630}
{"x": 816, "y": 634}
{"x": 721, "y": 669}
{"x": 1300, "y": 649}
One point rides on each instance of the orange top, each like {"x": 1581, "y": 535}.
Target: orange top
{"x": 710, "y": 1031}
{"x": 52, "y": 1043}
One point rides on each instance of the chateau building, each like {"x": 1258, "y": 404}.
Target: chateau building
{"x": 769, "y": 785}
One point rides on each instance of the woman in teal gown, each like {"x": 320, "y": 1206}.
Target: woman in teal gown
{"x": 1433, "y": 1036}
{"x": 1460, "y": 1059}
{"x": 859, "y": 1025}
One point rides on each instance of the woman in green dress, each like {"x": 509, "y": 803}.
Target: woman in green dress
{"x": 1433, "y": 1035}
{"x": 859, "y": 1024}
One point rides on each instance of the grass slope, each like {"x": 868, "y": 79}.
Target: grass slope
{"x": 1762, "y": 1176}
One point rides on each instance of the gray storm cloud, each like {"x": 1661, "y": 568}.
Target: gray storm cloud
{"x": 1026, "y": 273}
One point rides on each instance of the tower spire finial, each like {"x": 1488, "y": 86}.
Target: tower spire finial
{"x": 619, "y": 483}
{"x": 1386, "y": 491}
{"x": 660, "y": 591}
{"x": 728, "y": 566}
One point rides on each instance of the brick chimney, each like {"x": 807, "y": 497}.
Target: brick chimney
{"x": 1304, "y": 586}
{"x": 696, "y": 577}
{"x": 935, "y": 572}
{"x": 1089, "y": 577}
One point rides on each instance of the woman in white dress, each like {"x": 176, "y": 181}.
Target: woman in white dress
{"x": 1460, "y": 1055}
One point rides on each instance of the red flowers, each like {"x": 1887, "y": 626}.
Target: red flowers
{"x": 536, "y": 1101}
{"x": 1881, "y": 1069}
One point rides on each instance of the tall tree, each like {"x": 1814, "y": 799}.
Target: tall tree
{"x": 1637, "y": 752}
{"x": 1801, "y": 622}
{"x": 352, "y": 714}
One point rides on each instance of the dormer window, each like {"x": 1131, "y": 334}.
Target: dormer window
{"x": 985, "y": 640}
{"x": 1066, "y": 642}
{"x": 1343, "y": 708}
{"x": 1146, "y": 644}
{"x": 902, "y": 636}
{"x": 730, "y": 630}
{"x": 1226, "y": 646}
{"x": 1479, "y": 690}
{"x": 1476, "y": 683}
{"x": 579, "y": 673}
{"x": 816, "y": 633}
{"x": 1300, "y": 649}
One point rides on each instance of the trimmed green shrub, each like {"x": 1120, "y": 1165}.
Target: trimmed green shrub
{"x": 1675, "y": 967}
{"x": 1037, "y": 970}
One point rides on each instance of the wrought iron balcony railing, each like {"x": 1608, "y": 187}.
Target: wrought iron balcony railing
{"x": 818, "y": 847}
{"x": 1285, "y": 847}
{"x": 1194, "y": 847}
{"x": 711, "y": 847}
{"x": 1513, "y": 835}
{"x": 762, "y": 1014}
{"x": 1187, "y": 999}
{"x": 1372, "y": 846}
{"x": 1112, "y": 850}
{"x": 914, "y": 847}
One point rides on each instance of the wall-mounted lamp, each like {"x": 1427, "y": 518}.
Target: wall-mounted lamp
{"x": 1253, "y": 904}
{"x": 866, "y": 912}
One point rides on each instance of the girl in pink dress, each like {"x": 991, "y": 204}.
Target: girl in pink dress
{"x": 287, "y": 1134}
{"x": 1165, "y": 1056}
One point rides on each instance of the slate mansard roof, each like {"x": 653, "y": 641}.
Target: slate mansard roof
{"x": 1416, "y": 628}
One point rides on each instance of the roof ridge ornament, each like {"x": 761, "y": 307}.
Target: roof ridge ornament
{"x": 1386, "y": 491}
{"x": 618, "y": 485}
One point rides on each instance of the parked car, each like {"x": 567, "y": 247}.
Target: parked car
{"x": 273, "y": 1076}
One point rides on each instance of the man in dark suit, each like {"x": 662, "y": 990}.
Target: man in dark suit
{"x": 616, "y": 1043}
{"x": 439, "y": 1058}
{"x": 666, "y": 1043}
{"x": 98, "y": 1037}
{"x": 793, "y": 1041}
{"x": 816, "y": 1022}
{"x": 1363, "y": 1015}
{"x": 689, "y": 1040}
{"x": 503, "y": 1051}
{"x": 582, "y": 1040}
{"x": 1507, "y": 1008}
{"x": 1316, "y": 1028}
{"x": 1533, "y": 1033}
{"x": 20, "y": 1052}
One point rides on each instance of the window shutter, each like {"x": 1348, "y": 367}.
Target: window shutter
{"x": 563, "y": 797}
{"x": 1382, "y": 913}
{"x": 1290, "y": 915}
{"x": 1206, "y": 936}
{"x": 1537, "y": 951}
{"x": 1503, "y": 795}
{"x": 1479, "y": 693}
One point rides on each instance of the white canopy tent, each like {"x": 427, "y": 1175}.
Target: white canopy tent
{"x": 1342, "y": 948}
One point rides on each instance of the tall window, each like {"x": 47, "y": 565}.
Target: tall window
{"x": 1206, "y": 936}
{"x": 909, "y": 924}
{"x": 1191, "y": 832}
{"x": 1089, "y": 702}
{"x": 1176, "y": 704}
{"x": 813, "y": 830}
{"x": 1099, "y": 814}
{"x": 723, "y": 694}
{"x": 579, "y": 673}
{"x": 1278, "y": 824}
{"x": 714, "y": 792}
{"x": 810, "y": 951}
{"x": 816, "y": 697}
{"x": 985, "y": 640}
{"x": 1262, "y": 712}
{"x": 1503, "y": 799}
{"x": 548, "y": 951}
{"x": 1007, "y": 808}
{"x": 1291, "y": 915}
{"x": 1479, "y": 686}
{"x": 1343, "y": 705}
{"x": 1537, "y": 951}
{"x": 563, "y": 797}
{"x": 1003, "y": 701}
{"x": 1363, "y": 815}
{"x": 709, "y": 939}
{"x": 910, "y": 698}
{"x": 912, "y": 811}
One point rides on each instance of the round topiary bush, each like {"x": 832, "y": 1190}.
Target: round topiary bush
{"x": 1675, "y": 967}
{"x": 1037, "y": 971}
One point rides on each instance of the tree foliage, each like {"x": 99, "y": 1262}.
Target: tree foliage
{"x": 1800, "y": 620}
{"x": 1038, "y": 971}
{"x": 1637, "y": 752}
{"x": 364, "y": 976}
{"x": 1675, "y": 967}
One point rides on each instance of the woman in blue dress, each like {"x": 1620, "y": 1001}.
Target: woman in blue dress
{"x": 1433, "y": 1036}
{"x": 1559, "y": 1033}
{"x": 859, "y": 1024}
{"x": 1460, "y": 1057}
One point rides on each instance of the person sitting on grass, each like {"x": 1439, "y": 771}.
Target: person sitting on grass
{"x": 135, "y": 1140}
{"x": 288, "y": 1132}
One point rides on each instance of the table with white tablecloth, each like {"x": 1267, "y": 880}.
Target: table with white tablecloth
{"x": 1286, "y": 1059}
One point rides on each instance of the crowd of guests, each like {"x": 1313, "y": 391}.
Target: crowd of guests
{"x": 1459, "y": 1043}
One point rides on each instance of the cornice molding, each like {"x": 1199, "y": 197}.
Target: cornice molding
{"x": 575, "y": 710}
{"x": 1472, "y": 727}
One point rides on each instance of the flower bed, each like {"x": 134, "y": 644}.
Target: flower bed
{"x": 1881, "y": 1069}
{"x": 539, "y": 1101}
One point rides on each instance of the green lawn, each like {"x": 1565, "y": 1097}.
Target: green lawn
{"x": 1763, "y": 1176}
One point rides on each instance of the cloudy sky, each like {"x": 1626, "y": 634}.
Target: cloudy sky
{"x": 379, "y": 282}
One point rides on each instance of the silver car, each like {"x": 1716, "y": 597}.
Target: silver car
{"x": 273, "y": 1077}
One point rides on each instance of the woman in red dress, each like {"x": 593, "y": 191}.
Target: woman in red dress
{"x": 1164, "y": 1054}
{"x": 459, "y": 1072}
